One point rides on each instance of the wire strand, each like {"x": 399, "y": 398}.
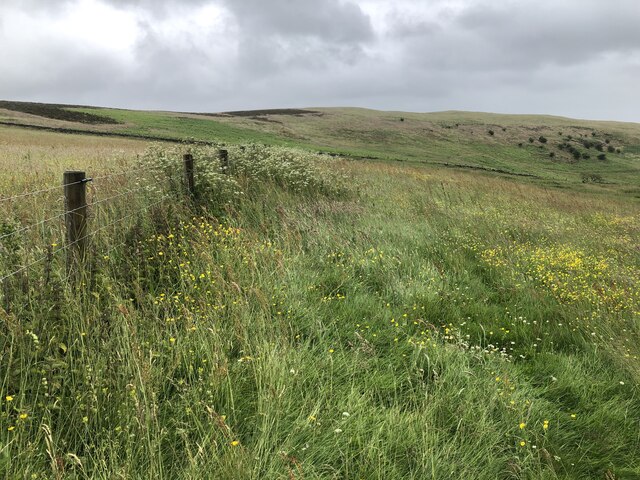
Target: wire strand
{"x": 67, "y": 246}
{"x": 120, "y": 174}
{"x": 38, "y": 192}
{"x": 44, "y": 222}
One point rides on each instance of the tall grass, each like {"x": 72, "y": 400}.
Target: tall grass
{"x": 399, "y": 324}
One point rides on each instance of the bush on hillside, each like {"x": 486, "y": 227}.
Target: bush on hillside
{"x": 292, "y": 169}
{"x": 592, "y": 178}
{"x": 165, "y": 164}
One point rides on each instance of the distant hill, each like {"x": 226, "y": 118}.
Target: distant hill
{"x": 553, "y": 150}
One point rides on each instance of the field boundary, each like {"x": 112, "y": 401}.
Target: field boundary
{"x": 77, "y": 210}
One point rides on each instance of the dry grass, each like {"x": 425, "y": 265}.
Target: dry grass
{"x": 33, "y": 160}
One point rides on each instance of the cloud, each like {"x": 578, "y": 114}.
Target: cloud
{"x": 157, "y": 8}
{"x": 518, "y": 56}
{"x": 331, "y": 21}
{"x": 281, "y": 35}
{"x": 553, "y": 32}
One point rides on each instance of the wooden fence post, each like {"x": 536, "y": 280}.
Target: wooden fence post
{"x": 75, "y": 207}
{"x": 224, "y": 160}
{"x": 188, "y": 174}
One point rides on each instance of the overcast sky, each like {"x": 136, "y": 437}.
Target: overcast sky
{"x": 577, "y": 58}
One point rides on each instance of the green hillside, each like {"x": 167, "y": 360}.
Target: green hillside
{"x": 568, "y": 158}
{"x": 432, "y": 300}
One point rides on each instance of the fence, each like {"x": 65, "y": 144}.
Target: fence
{"x": 76, "y": 211}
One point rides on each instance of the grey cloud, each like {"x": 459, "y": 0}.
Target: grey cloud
{"x": 519, "y": 56}
{"x": 331, "y": 20}
{"x": 157, "y": 8}
{"x": 61, "y": 76}
{"x": 554, "y": 32}
{"x": 286, "y": 35}
{"x": 39, "y": 7}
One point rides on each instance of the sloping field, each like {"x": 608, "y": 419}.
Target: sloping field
{"x": 304, "y": 316}
{"x": 561, "y": 152}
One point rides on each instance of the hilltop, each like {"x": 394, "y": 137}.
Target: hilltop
{"x": 555, "y": 151}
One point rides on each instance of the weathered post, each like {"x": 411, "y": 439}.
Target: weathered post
{"x": 188, "y": 174}
{"x": 224, "y": 160}
{"x": 75, "y": 207}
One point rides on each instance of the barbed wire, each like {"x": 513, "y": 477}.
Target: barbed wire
{"x": 51, "y": 254}
{"x": 34, "y": 225}
{"x": 38, "y": 192}
{"x": 113, "y": 197}
{"x": 51, "y": 189}
{"x": 63, "y": 214}
{"x": 119, "y": 174}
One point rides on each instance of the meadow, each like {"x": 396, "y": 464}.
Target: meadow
{"x": 312, "y": 316}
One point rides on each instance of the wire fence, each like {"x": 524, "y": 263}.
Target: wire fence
{"x": 82, "y": 219}
{"x": 72, "y": 218}
{"x": 38, "y": 192}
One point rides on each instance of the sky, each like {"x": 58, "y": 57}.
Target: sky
{"x": 576, "y": 58}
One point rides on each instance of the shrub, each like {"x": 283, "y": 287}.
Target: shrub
{"x": 599, "y": 147}
{"x": 531, "y": 139}
{"x": 491, "y": 132}
{"x": 542, "y": 139}
{"x": 164, "y": 164}
{"x": 586, "y": 156}
{"x": 576, "y": 154}
{"x": 552, "y": 154}
{"x": 611, "y": 149}
{"x": 602, "y": 156}
{"x": 592, "y": 178}
{"x": 293, "y": 169}
{"x": 618, "y": 151}
{"x": 520, "y": 145}
{"x": 607, "y": 141}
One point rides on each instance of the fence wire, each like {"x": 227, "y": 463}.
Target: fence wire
{"x": 52, "y": 253}
{"x": 38, "y": 192}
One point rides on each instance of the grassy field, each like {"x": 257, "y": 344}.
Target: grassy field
{"x": 503, "y": 144}
{"x": 318, "y": 317}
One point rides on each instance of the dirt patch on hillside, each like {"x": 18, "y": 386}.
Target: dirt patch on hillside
{"x": 57, "y": 112}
